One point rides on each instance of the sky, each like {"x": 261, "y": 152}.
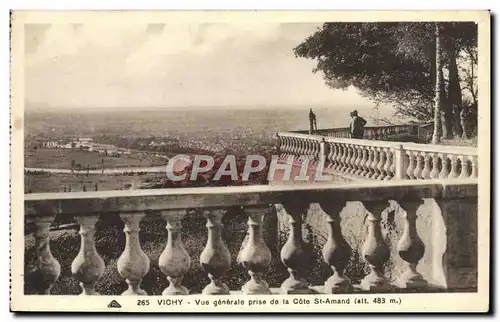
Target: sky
{"x": 172, "y": 65}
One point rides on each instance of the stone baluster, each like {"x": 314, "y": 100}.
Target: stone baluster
{"x": 307, "y": 150}
{"x": 283, "y": 147}
{"x": 389, "y": 174}
{"x": 336, "y": 251}
{"x": 359, "y": 157}
{"x": 373, "y": 166}
{"x": 343, "y": 158}
{"x": 312, "y": 150}
{"x": 174, "y": 261}
{"x": 133, "y": 263}
{"x": 454, "y": 167}
{"x": 308, "y": 147}
{"x": 444, "y": 166}
{"x": 352, "y": 159}
{"x": 426, "y": 172}
{"x": 339, "y": 156}
{"x": 317, "y": 150}
{"x": 356, "y": 162}
{"x": 374, "y": 250}
{"x": 293, "y": 254}
{"x": 435, "y": 169}
{"x": 411, "y": 165}
{"x": 410, "y": 247}
{"x": 215, "y": 258}
{"x": 349, "y": 160}
{"x": 380, "y": 164}
{"x": 296, "y": 146}
{"x": 418, "y": 167}
{"x": 255, "y": 255}
{"x": 87, "y": 266}
{"x": 304, "y": 147}
{"x": 362, "y": 157}
{"x": 474, "y": 170}
{"x": 366, "y": 160}
{"x": 331, "y": 155}
{"x": 366, "y": 166}
{"x": 290, "y": 146}
{"x": 48, "y": 268}
{"x": 300, "y": 147}
{"x": 347, "y": 156}
{"x": 464, "y": 171}
{"x": 398, "y": 158}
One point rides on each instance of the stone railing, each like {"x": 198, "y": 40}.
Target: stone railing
{"x": 387, "y": 133}
{"x": 132, "y": 206}
{"x": 381, "y": 160}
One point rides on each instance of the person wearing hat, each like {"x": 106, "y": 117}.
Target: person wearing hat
{"x": 357, "y": 126}
{"x": 313, "y": 126}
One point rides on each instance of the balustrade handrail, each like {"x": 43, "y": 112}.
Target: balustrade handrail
{"x": 81, "y": 203}
{"x": 380, "y": 144}
{"x": 450, "y": 149}
{"x": 340, "y": 129}
{"x": 311, "y": 137}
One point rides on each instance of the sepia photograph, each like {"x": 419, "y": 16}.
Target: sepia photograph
{"x": 250, "y": 161}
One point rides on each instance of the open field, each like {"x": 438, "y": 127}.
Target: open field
{"x": 36, "y": 183}
{"x": 62, "y": 159}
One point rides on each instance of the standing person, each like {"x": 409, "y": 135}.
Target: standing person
{"x": 357, "y": 126}
{"x": 313, "y": 126}
{"x": 464, "y": 119}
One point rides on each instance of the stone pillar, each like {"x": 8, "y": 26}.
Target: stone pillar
{"x": 87, "y": 266}
{"x": 174, "y": 261}
{"x": 215, "y": 258}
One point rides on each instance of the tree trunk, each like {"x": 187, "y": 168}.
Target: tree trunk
{"x": 447, "y": 115}
{"x": 455, "y": 93}
{"x": 436, "y": 136}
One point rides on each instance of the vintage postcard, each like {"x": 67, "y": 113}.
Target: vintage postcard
{"x": 250, "y": 161}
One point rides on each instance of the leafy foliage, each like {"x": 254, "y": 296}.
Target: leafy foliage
{"x": 392, "y": 62}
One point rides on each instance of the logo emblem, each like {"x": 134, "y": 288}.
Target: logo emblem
{"x": 114, "y": 305}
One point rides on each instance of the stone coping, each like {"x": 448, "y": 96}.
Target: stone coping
{"x": 81, "y": 203}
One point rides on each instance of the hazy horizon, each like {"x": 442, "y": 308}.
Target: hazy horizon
{"x": 89, "y": 66}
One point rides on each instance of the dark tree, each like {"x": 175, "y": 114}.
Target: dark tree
{"x": 395, "y": 63}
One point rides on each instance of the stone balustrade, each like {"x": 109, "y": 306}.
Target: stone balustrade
{"x": 387, "y": 133}
{"x": 382, "y": 160}
{"x": 375, "y": 198}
